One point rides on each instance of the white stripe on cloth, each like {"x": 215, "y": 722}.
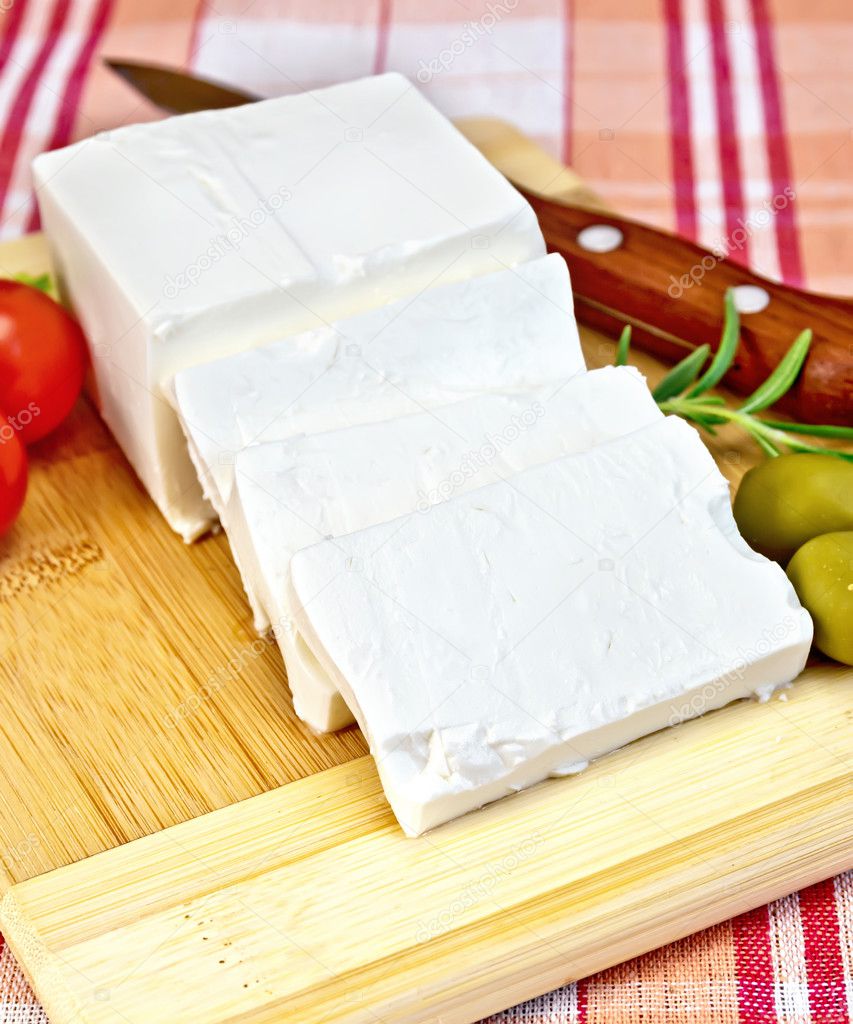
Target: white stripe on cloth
{"x": 699, "y": 72}
{"x": 13, "y": 72}
{"x": 18, "y": 1005}
{"x": 788, "y": 954}
{"x": 470, "y": 67}
{"x": 558, "y": 1007}
{"x": 751, "y": 127}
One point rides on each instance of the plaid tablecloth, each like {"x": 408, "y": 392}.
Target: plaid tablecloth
{"x": 729, "y": 120}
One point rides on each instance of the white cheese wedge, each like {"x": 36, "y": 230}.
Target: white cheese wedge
{"x": 187, "y": 239}
{"x": 291, "y": 494}
{"x": 508, "y": 331}
{"x": 524, "y": 628}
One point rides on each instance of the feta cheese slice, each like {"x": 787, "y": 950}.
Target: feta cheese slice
{"x": 529, "y": 626}
{"x": 187, "y": 239}
{"x": 289, "y": 495}
{"x": 510, "y": 330}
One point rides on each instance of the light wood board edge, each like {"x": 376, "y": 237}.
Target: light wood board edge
{"x": 526, "y": 163}
{"x": 307, "y": 903}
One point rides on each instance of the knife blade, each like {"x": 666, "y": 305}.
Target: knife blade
{"x": 177, "y": 92}
{"x": 669, "y": 289}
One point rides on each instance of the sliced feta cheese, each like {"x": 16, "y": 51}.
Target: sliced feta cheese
{"x": 508, "y": 331}
{"x": 190, "y": 238}
{"x": 526, "y": 627}
{"x": 289, "y": 495}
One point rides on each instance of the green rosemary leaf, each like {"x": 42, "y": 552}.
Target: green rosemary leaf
{"x": 710, "y": 400}
{"x": 682, "y": 375}
{"x": 795, "y": 445}
{"x": 767, "y": 446}
{"x": 781, "y": 379}
{"x": 811, "y": 429}
{"x": 623, "y": 346}
{"x": 724, "y": 356}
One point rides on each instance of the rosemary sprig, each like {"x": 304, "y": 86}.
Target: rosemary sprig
{"x": 683, "y": 392}
{"x": 623, "y": 346}
{"x": 682, "y": 375}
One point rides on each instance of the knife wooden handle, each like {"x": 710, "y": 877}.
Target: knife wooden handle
{"x": 672, "y": 292}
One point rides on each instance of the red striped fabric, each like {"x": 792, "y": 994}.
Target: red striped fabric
{"x": 582, "y": 1002}
{"x": 679, "y": 113}
{"x": 755, "y": 997}
{"x": 48, "y": 48}
{"x": 824, "y": 961}
{"x": 383, "y": 25}
{"x": 788, "y": 241}
{"x": 726, "y": 137}
{"x": 727, "y": 133}
{"x": 16, "y": 120}
{"x": 11, "y": 23}
{"x": 568, "y": 32}
{"x": 67, "y": 110}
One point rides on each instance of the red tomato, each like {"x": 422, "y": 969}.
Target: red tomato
{"x": 13, "y": 474}
{"x": 42, "y": 360}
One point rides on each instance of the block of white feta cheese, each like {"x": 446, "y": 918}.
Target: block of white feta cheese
{"x": 187, "y": 239}
{"x": 291, "y": 494}
{"x": 507, "y": 331}
{"x": 522, "y": 629}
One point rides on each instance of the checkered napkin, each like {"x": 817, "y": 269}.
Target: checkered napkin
{"x": 728, "y": 120}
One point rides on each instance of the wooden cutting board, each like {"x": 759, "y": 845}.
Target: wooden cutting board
{"x": 176, "y": 847}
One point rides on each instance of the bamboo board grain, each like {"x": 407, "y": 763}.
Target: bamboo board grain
{"x": 267, "y": 880}
{"x": 307, "y": 903}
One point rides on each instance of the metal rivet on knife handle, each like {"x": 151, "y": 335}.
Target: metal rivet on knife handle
{"x": 750, "y": 298}
{"x": 600, "y": 238}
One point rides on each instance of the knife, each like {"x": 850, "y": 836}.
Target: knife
{"x": 669, "y": 289}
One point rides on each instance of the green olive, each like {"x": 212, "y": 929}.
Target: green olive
{"x": 785, "y": 501}
{"x": 822, "y": 574}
